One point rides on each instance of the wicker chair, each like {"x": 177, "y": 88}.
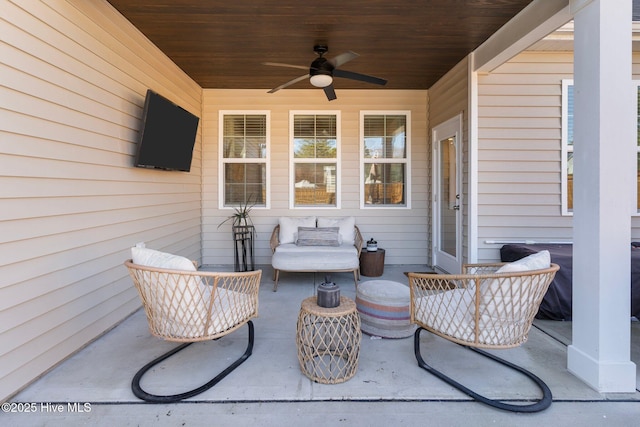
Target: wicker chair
{"x": 481, "y": 309}
{"x": 190, "y": 306}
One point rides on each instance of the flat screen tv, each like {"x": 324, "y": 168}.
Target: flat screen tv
{"x": 167, "y": 135}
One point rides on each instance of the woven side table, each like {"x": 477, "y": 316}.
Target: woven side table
{"x": 328, "y": 341}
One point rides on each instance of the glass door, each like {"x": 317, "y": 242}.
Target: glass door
{"x": 447, "y": 207}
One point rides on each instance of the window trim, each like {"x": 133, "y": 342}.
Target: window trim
{"x": 406, "y": 161}
{"x": 293, "y": 160}
{"x": 222, "y": 161}
{"x": 566, "y": 148}
{"x": 636, "y": 84}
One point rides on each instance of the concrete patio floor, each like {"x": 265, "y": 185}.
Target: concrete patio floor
{"x": 270, "y": 390}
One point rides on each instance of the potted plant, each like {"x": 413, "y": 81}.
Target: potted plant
{"x": 243, "y": 235}
{"x": 240, "y": 215}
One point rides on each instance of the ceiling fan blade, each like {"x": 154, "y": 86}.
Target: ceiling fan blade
{"x": 343, "y": 58}
{"x": 280, "y": 64}
{"x": 330, "y": 92}
{"x": 294, "y": 81}
{"x": 360, "y": 77}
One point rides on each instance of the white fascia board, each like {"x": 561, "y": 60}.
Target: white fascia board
{"x": 534, "y": 22}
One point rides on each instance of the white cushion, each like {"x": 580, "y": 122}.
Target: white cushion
{"x": 176, "y": 311}
{"x": 289, "y": 257}
{"x": 451, "y": 313}
{"x": 346, "y": 224}
{"x": 289, "y": 227}
{"x": 537, "y": 261}
{"x": 448, "y": 312}
{"x": 321, "y": 251}
{"x": 153, "y": 258}
{"x": 231, "y": 308}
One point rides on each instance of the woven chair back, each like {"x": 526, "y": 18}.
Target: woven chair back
{"x": 480, "y": 308}
{"x": 189, "y": 306}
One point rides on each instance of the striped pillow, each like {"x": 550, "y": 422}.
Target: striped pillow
{"x": 321, "y": 236}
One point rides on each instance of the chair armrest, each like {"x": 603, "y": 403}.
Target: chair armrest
{"x": 426, "y": 282}
{"x": 275, "y": 238}
{"x": 358, "y": 241}
{"x": 482, "y": 268}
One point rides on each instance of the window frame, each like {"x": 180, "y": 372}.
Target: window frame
{"x": 222, "y": 161}
{"x": 293, "y": 160}
{"x": 406, "y": 160}
{"x": 566, "y": 148}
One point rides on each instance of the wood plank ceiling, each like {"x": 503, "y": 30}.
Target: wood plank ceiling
{"x": 223, "y": 43}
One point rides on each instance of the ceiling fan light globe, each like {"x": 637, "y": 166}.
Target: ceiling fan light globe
{"x": 321, "y": 80}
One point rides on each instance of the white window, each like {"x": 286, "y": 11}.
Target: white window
{"x": 384, "y": 159}
{"x": 567, "y": 147}
{"x": 315, "y": 157}
{"x": 244, "y": 156}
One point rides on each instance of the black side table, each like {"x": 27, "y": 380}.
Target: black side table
{"x": 372, "y": 263}
{"x": 243, "y": 250}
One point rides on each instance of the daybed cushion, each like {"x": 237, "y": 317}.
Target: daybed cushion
{"x": 289, "y": 257}
{"x": 289, "y": 227}
{"x": 321, "y": 236}
{"x": 346, "y": 224}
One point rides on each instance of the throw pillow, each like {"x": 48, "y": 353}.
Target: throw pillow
{"x": 153, "y": 258}
{"x": 321, "y": 236}
{"x": 289, "y": 227}
{"x": 346, "y": 225}
{"x": 537, "y": 261}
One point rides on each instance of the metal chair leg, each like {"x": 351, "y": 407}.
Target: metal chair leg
{"x": 153, "y": 398}
{"x": 539, "y": 405}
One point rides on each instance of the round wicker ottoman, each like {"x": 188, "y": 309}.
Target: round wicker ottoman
{"x": 384, "y": 308}
{"x": 328, "y": 341}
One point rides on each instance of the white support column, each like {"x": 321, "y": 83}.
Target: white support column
{"x": 604, "y": 176}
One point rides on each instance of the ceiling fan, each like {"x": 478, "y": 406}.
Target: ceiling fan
{"x": 323, "y": 70}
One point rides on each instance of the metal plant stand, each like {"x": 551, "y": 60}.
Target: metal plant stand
{"x": 243, "y": 250}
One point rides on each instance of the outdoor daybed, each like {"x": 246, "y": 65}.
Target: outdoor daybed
{"x": 310, "y": 244}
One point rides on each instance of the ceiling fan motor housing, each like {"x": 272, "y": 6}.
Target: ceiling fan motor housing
{"x": 321, "y": 66}
{"x": 321, "y": 72}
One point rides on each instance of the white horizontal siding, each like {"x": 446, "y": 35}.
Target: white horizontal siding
{"x": 448, "y": 98}
{"x": 520, "y": 151}
{"x": 402, "y": 232}
{"x": 74, "y": 76}
{"x": 519, "y": 156}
